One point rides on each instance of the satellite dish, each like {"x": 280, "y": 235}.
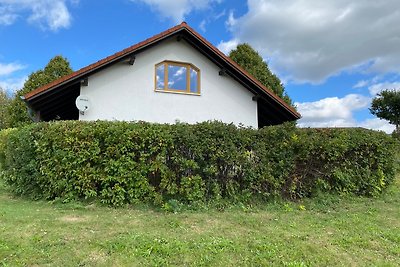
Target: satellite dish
{"x": 82, "y": 103}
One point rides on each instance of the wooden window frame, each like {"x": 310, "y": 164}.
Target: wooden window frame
{"x": 188, "y": 67}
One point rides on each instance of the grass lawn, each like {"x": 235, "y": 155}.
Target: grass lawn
{"x": 327, "y": 231}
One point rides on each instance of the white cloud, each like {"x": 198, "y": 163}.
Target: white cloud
{"x": 48, "y": 14}
{"x": 331, "y": 111}
{"x": 364, "y": 83}
{"x": 6, "y": 16}
{"x": 231, "y": 22}
{"x": 338, "y": 112}
{"x": 9, "y": 68}
{"x": 311, "y": 40}
{"x": 228, "y": 46}
{"x": 8, "y": 81}
{"x": 379, "y": 87}
{"x": 211, "y": 18}
{"x": 11, "y": 85}
{"x": 377, "y": 124}
{"x": 361, "y": 84}
{"x": 202, "y": 25}
{"x": 177, "y": 9}
{"x": 180, "y": 71}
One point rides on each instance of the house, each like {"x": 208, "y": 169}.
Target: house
{"x": 176, "y": 75}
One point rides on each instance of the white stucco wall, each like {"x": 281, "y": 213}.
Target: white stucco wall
{"x": 125, "y": 92}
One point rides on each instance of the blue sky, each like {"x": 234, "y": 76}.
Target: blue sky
{"x": 332, "y": 55}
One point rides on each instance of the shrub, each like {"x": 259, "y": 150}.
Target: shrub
{"x": 355, "y": 160}
{"x": 3, "y": 138}
{"x": 121, "y": 163}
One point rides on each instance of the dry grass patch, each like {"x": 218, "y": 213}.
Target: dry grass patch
{"x": 73, "y": 219}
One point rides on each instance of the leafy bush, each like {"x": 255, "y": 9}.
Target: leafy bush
{"x": 356, "y": 161}
{"x": 4, "y": 134}
{"x": 121, "y": 163}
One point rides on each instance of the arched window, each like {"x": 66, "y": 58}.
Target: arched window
{"x": 177, "y": 77}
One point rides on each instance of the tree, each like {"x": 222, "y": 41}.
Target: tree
{"x": 386, "y": 105}
{"x": 4, "y": 103}
{"x": 56, "y": 68}
{"x": 252, "y": 62}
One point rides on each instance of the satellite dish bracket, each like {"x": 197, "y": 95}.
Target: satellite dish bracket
{"x": 82, "y": 103}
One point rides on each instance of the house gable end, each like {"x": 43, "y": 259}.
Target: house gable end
{"x": 278, "y": 112}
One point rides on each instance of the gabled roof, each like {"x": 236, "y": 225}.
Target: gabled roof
{"x": 196, "y": 40}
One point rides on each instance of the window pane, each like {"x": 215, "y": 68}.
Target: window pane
{"x": 160, "y": 77}
{"x": 194, "y": 81}
{"x": 177, "y": 77}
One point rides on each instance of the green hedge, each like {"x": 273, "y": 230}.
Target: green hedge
{"x": 3, "y": 140}
{"x": 119, "y": 162}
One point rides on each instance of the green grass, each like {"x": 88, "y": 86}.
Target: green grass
{"x": 327, "y": 231}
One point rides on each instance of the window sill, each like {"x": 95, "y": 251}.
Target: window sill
{"x": 176, "y": 92}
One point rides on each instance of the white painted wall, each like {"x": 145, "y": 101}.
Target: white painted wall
{"x": 125, "y": 92}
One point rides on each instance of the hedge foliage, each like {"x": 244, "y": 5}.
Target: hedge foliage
{"x": 120, "y": 163}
